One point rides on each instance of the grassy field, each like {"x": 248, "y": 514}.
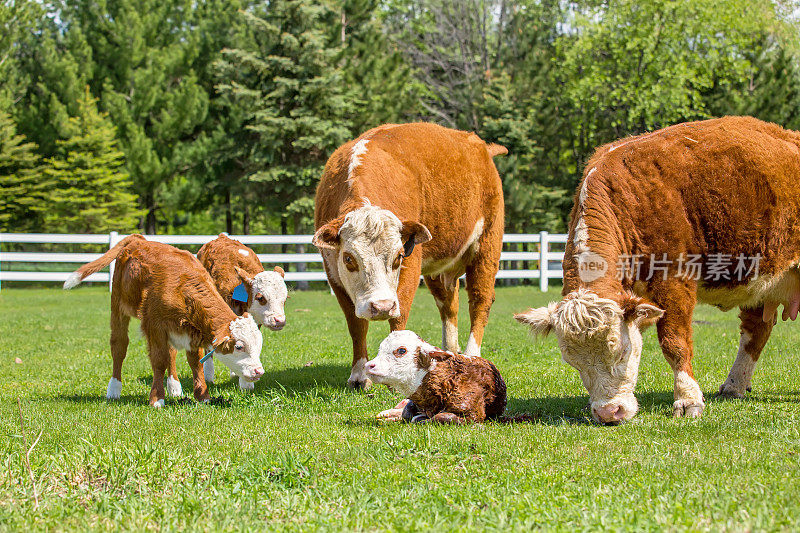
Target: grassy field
{"x": 303, "y": 452}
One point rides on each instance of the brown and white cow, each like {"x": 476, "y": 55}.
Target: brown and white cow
{"x": 703, "y": 211}
{"x": 179, "y": 306}
{"x": 395, "y": 187}
{"x": 232, "y": 264}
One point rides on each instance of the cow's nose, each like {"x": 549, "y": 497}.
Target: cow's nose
{"x": 279, "y": 320}
{"x": 370, "y": 366}
{"x": 609, "y": 414}
{"x": 258, "y": 372}
{"x": 382, "y": 307}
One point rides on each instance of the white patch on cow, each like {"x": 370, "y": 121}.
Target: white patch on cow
{"x": 687, "y": 392}
{"x": 581, "y": 237}
{"x": 358, "y": 374}
{"x": 473, "y": 348}
{"x": 450, "y": 336}
{"x": 246, "y": 385}
{"x": 159, "y": 404}
{"x": 174, "y": 388}
{"x": 778, "y": 288}
{"x": 114, "y": 389}
{"x": 272, "y": 287}
{"x": 741, "y": 372}
{"x": 359, "y": 149}
{"x": 208, "y": 370}
{"x": 400, "y": 371}
{"x": 180, "y": 341}
{"x": 436, "y": 268}
{"x": 244, "y": 252}
{"x": 73, "y": 280}
{"x": 246, "y": 362}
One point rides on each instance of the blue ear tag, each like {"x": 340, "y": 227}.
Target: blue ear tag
{"x": 240, "y": 293}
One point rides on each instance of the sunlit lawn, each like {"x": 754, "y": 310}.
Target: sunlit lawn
{"x": 303, "y": 452}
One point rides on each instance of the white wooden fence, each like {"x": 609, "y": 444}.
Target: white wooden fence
{"x": 512, "y": 262}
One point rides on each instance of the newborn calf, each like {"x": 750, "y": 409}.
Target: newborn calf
{"x": 444, "y": 386}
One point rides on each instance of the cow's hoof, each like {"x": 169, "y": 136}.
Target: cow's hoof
{"x": 728, "y": 392}
{"x": 114, "y": 389}
{"x": 687, "y": 408}
{"x": 246, "y": 385}
{"x": 174, "y": 388}
{"x": 159, "y": 404}
{"x": 364, "y": 384}
{"x": 390, "y": 415}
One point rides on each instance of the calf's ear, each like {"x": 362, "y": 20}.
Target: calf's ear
{"x": 327, "y": 236}
{"x": 280, "y": 271}
{"x": 540, "y": 320}
{"x": 243, "y": 274}
{"x": 413, "y": 233}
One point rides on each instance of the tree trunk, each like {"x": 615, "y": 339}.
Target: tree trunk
{"x": 245, "y": 219}
{"x": 228, "y": 214}
{"x": 150, "y": 218}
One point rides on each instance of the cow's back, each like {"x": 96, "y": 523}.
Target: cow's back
{"x": 220, "y": 257}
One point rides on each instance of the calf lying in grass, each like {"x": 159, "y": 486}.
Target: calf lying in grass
{"x": 450, "y": 388}
{"x": 178, "y": 305}
{"x": 245, "y": 286}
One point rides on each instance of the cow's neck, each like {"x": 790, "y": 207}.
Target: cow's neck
{"x": 211, "y": 318}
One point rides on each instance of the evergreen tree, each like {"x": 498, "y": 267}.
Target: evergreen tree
{"x": 290, "y": 103}
{"x": 21, "y": 189}
{"x": 90, "y": 191}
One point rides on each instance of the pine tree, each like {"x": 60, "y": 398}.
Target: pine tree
{"x": 90, "y": 191}
{"x": 21, "y": 188}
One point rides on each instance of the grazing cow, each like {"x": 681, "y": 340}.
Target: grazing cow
{"x": 446, "y": 387}
{"x": 175, "y": 299}
{"x": 395, "y": 187}
{"x": 245, "y": 285}
{"x": 703, "y": 211}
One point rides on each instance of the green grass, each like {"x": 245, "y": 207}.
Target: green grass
{"x": 303, "y": 452}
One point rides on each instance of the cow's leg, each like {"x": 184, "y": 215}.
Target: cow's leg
{"x": 158, "y": 346}
{"x": 407, "y": 287}
{"x": 198, "y": 374}
{"x": 754, "y": 335}
{"x": 678, "y": 298}
{"x": 446, "y": 297}
{"x": 480, "y": 284}
{"x": 173, "y": 385}
{"x": 358, "y": 333}
{"x": 119, "y": 349}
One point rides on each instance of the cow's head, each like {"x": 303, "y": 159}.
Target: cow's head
{"x": 241, "y": 350}
{"x": 403, "y": 361}
{"x": 602, "y": 339}
{"x": 268, "y": 295}
{"x": 369, "y": 244}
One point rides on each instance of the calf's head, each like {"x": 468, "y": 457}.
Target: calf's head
{"x": 268, "y": 295}
{"x": 368, "y": 246}
{"x": 602, "y": 340}
{"x": 241, "y": 350}
{"x": 403, "y": 361}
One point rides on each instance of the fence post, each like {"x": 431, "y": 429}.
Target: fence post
{"x": 113, "y": 237}
{"x": 544, "y": 247}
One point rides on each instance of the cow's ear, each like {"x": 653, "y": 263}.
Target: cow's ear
{"x": 243, "y": 275}
{"x": 280, "y": 271}
{"x": 540, "y": 320}
{"x": 642, "y": 314}
{"x": 328, "y": 235}
{"x": 412, "y": 234}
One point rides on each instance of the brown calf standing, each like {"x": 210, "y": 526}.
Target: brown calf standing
{"x": 178, "y": 305}
{"x": 261, "y": 292}
{"x": 444, "y": 386}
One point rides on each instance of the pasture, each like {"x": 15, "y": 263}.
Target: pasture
{"x": 303, "y": 452}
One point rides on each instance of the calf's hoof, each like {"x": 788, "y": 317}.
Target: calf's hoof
{"x": 158, "y": 404}
{"x": 364, "y": 384}
{"x": 174, "y": 388}
{"x": 687, "y": 409}
{"x": 114, "y": 389}
{"x": 246, "y": 385}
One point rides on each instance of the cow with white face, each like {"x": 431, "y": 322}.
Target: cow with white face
{"x": 403, "y": 201}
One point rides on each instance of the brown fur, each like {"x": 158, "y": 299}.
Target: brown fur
{"x": 170, "y": 292}
{"x": 726, "y": 185}
{"x": 442, "y": 178}
{"x": 459, "y": 388}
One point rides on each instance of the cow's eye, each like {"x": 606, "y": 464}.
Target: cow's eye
{"x": 397, "y": 261}
{"x": 349, "y": 262}
{"x": 239, "y": 346}
{"x": 260, "y": 298}
{"x": 400, "y": 351}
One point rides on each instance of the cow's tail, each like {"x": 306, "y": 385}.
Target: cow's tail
{"x": 496, "y": 149}
{"x": 103, "y": 261}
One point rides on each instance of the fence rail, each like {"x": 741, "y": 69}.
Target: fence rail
{"x": 515, "y": 264}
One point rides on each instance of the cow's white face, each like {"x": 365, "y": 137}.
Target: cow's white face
{"x": 602, "y": 342}
{"x": 369, "y": 245}
{"x": 242, "y": 351}
{"x": 398, "y": 365}
{"x": 268, "y": 295}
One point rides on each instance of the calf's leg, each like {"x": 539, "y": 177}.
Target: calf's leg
{"x": 198, "y": 374}
{"x": 173, "y": 384}
{"x": 159, "y": 361}
{"x": 446, "y": 297}
{"x": 119, "y": 348}
{"x": 754, "y": 335}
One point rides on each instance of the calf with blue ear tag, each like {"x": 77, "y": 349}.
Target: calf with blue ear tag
{"x": 245, "y": 285}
